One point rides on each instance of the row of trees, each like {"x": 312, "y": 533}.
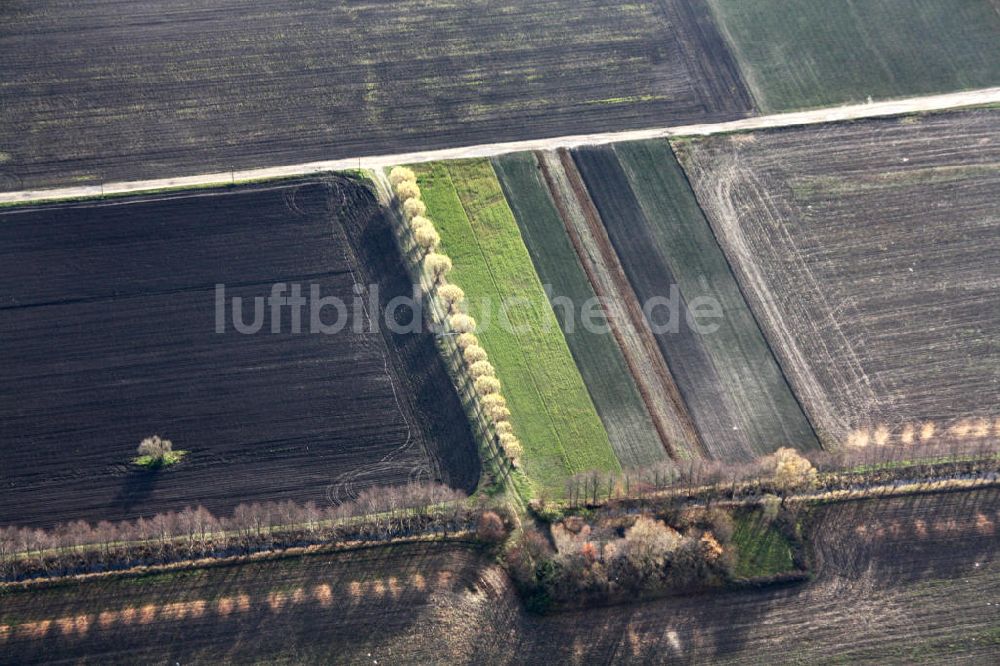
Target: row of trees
{"x": 788, "y": 471}
{"x": 437, "y": 266}
{"x": 785, "y": 470}
{"x": 378, "y": 514}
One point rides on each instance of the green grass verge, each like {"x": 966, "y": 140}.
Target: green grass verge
{"x": 806, "y": 53}
{"x": 762, "y": 549}
{"x": 150, "y": 462}
{"x": 597, "y": 355}
{"x": 551, "y": 410}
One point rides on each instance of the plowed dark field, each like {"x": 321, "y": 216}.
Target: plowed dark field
{"x": 901, "y": 581}
{"x": 125, "y": 90}
{"x": 108, "y": 322}
{"x": 869, "y": 253}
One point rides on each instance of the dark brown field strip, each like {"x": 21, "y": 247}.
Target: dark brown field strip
{"x": 131, "y": 90}
{"x": 868, "y": 252}
{"x": 649, "y": 273}
{"x": 288, "y": 279}
{"x": 672, "y": 421}
{"x": 265, "y": 416}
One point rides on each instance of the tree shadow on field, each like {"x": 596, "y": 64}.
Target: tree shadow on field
{"x": 435, "y": 404}
{"x": 136, "y": 488}
{"x": 912, "y": 538}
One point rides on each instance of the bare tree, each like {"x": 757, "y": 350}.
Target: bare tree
{"x": 490, "y": 528}
{"x": 482, "y": 369}
{"x": 407, "y": 189}
{"x": 462, "y": 323}
{"x": 791, "y": 470}
{"x": 466, "y": 340}
{"x": 427, "y": 238}
{"x": 487, "y": 385}
{"x": 400, "y": 174}
{"x": 474, "y": 354}
{"x": 437, "y": 265}
{"x": 451, "y": 294}
{"x": 414, "y": 208}
{"x": 155, "y": 448}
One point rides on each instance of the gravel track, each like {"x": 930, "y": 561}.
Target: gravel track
{"x": 817, "y": 116}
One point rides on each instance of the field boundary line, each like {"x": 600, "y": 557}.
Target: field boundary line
{"x": 928, "y": 103}
{"x": 461, "y": 537}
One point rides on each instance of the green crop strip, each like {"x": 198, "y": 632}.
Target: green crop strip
{"x": 551, "y": 410}
{"x": 762, "y": 549}
{"x": 597, "y": 355}
{"x": 817, "y": 52}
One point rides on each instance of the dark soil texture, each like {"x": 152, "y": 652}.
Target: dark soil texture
{"x": 123, "y": 90}
{"x": 868, "y": 252}
{"x": 108, "y": 321}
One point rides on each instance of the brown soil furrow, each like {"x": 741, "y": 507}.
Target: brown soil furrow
{"x": 652, "y": 376}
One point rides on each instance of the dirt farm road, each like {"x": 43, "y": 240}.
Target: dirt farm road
{"x": 832, "y": 114}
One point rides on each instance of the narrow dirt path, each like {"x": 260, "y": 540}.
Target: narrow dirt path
{"x": 815, "y": 116}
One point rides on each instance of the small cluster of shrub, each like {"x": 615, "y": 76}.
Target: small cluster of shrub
{"x": 155, "y": 452}
{"x": 377, "y": 515}
{"x": 624, "y": 559}
{"x": 437, "y": 266}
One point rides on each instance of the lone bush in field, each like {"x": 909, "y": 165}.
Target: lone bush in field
{"x": 400, "y": 174}
{"x": 463, "y": 323}
{"x": 156, "y": 452}
{"x": 438, "y": 265}
{"x": 451, "y": 294}
{"x": 482, "y": 369}
{"x": 487, "y": 385}
{"x": 155, "y": 447}
{"x": 466, "y": 340}
{"x": 427, "y": 238}
{"x": 474, "y": 354}
{"x": 414, "y": 208}
{"x": 407, "y": 189}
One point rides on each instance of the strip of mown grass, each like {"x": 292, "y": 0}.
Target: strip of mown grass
{"x": 551, "y": 410}
{"x": 762, "y": 550}
{"x": 820, "y": 52}
{"x": 597, "y": 355}
{"x": 764, "y": 407}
